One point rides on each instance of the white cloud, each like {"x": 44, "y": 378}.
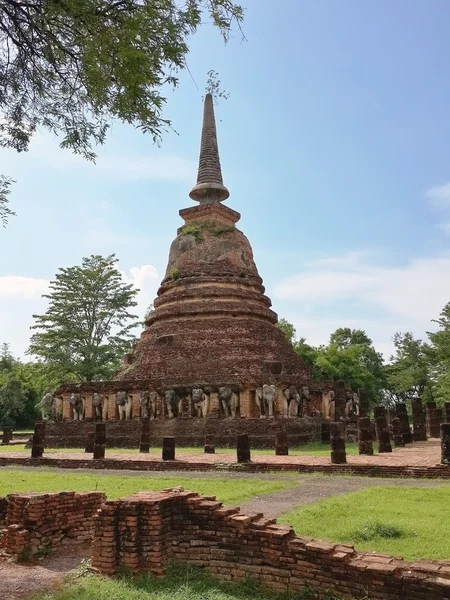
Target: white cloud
{"x": 439, "y": 195}
{"x": 20, "y": 298}
{"x": 22, "y": 287}
{"x": 388, "y": 298}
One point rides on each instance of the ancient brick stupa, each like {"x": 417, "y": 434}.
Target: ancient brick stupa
{"x": 211, "y": 322}
{"x": 211, "y": 347}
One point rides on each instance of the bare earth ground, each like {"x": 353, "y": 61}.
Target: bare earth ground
{"x": 419, "y": 454}
{"x": 19, "y": 581}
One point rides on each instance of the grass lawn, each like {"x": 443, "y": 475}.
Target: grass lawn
{"x": 180, "y": 583}
{"x": 226, "y": 489}
{"x": 408, "y": 522}
{"x": 313, "y": 449}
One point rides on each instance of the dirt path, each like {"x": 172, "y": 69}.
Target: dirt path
{"x": 315, "y": 488}
{"x": 19, "y": 581}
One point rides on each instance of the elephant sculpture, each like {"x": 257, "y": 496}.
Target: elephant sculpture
{"x": 351, "y": 404}
{"x": 97, "y": 403}
{"x": 76, "y": 403}
{"x": 328, "y": 398}
{"x": 291, "y": 402}
{"x": 45, "y": 406}
{"x": 123, "y": 402}
{"x": 265, "y": 399}
{"x": 147, "y": 402}
{"x": 172, "y": 403}
{"x": 200, "y": 402}
{"x": 229, "y": 401}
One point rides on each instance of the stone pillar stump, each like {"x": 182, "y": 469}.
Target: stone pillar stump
{"x": 382, "y": 430}
{"x": 402, "y": 416}
{"x": 144, "y": 442}
{"x": 37, "y": 448}
{"x": 337, "y": 442}
{"x": 447, "y": 412}
{"x": 365, "y": 438}
{"x": 445, "y": 443}
{"x": 281, "y": 443}
{"x": 209, "y": 445}
{"x": 243, "y": 448}
{"x": 7, "y": 435}
{"x": 168, "y": 448}
{"x": 99, "y": 440}
{"x": 397, "y": 435}
{"x": 433, "y": 423}
{"x": 418, "y": 419}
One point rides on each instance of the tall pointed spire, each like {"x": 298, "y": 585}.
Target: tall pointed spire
{"x": 209, "y": 186}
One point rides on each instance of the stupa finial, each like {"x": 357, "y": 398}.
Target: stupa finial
{"x": 209, "y": 186}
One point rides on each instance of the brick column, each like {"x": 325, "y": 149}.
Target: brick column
{"x": 445, "y": 443}
{"x": 447, "y": 412}
{"x": 402, "y": 415}
{"x": 337, "y": 442}
{"x": 144, "y": 443}
{"x": 112, "y": 406}
{"x": 7, "y": 435}
{"x": 88, "y": 408}
{"x": 281, "y": 443}
{"x": 382, "y": 430}
{"x": 397, "y": 435}
{"x": 365, "y": 438}
{"x": 67, "y": 408}
{"x": 243, "y": 448}
{"x": 433, "y": 424}
{"x": 168, "y": 448}
{"x": 37, "y": 448}
{"x": 100, "y": 440}
{"x": 418, "y": 419}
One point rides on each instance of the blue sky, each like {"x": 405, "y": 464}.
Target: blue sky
{"x": 335, "y": 145}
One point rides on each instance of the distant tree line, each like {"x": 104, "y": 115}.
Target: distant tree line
{"x": 417, "y": 368}
{"x": 89, "y": 326}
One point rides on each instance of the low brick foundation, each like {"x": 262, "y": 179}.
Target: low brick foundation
{"x": 149, "y": 530}
{"x": 365, "y": 470}
{"x": 188, "y": 432}
{"x": 33, "y": 522}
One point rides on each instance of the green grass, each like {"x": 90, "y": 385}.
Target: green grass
{"x": 227, "y": 490}
{"x": 313, "y": 449}
{"x": 408, "y": 522}
{"x": 180, "y": 583}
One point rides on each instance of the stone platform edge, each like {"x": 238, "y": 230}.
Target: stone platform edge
{"x": 418, "y": 472}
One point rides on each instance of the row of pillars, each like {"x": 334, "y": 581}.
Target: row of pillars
{"x": 96, "y": 443}
{"x": 423, "y": 423}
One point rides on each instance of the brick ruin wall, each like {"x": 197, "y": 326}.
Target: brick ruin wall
{"x": 149, "y": 530}
{"x": 33, "y": 522}
{"x": 188, "y": 432}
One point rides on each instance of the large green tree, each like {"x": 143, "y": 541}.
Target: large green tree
{"x": 74, "y": 66}
{"x": 351, "y": 356}
{"x": 439, "y": 354}
{"x": 408, "y": 372}
{"x": 17, "y": 398}
{"x": 88, "y": 325}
